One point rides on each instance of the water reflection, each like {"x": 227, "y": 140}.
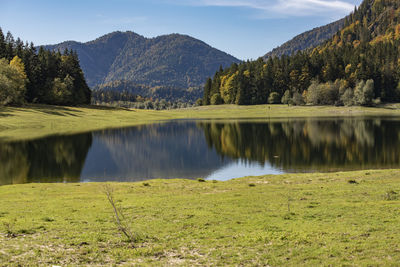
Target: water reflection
{"x": 210, "y": 149}
{"x": 309, "y": 145}
{"x": 171, "y": 150}
{"x": 51, "y": 159}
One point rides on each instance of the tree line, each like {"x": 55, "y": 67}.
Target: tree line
{"x": 127, "y": 99}
{"x": 360, "y": 62}
{"x": 169, "y": 93}
{"x": 46, "y": 77}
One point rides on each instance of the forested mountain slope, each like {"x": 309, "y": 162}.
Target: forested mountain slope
{"x": 308, "y": 39}
{"x": 169, "y": 60}
{"x": 358, "y": 64}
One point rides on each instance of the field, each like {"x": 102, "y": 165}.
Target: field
{"x": 300, "y": 219}
{"x": 345, "y": 218}
{"x": 37, "y": 121}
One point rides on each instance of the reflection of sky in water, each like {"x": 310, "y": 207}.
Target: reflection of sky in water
{"x": 241, "y": 169}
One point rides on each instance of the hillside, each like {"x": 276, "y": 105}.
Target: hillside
{"x": 359, "y": 65}
{"x": 169, "y": 60}
{"x": 308, "y": 39}
{"x": 374, "y": 22}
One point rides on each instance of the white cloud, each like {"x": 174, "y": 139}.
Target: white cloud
{"x": 276, "y": 8}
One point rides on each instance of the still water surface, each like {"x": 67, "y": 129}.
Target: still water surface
{"x": 218, "y": 150}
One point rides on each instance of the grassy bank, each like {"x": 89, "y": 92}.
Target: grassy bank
{"x": 37, "y": 121}
{"x": 301, "y": 219}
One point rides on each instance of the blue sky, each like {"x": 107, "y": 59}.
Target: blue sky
{"x": 246, "y": 29}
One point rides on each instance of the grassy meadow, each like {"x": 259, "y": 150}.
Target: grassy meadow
{"x": 348, "y": 218}
{"x": 329, "y": 219}
{"x": 39, "y": 120}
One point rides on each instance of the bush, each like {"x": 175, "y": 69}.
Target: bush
{"x": 298, "y": 99}
{"x": 273, "y": 98}
{"x": 342, "y": 85}
{"x": 216, "y": 99}
{"x": 348, "y": 97}
{"x": 199, "y": 102}
{"x": 323, "y": 94}
{"x": 312, "y": 93}
{"x": 286, "y": 97}
{"x": 368, "y": 91}
{"x": 364, "y": 93}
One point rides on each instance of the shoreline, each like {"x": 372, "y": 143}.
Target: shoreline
{"x": 37, "y": 121}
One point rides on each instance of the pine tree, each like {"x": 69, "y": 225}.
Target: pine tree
{"x": 3, "y": 50}
{"x": 9, "y": 46}
{"x": 207, "y": 91}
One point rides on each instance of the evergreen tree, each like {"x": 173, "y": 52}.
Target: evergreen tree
{"x": 3, "y": 51}
{"x": 9, "y": 46}
{"x": 207, "y": 91}
{"x": 44, "y": 77}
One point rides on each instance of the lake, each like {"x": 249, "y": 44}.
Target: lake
{"x": 217, "y": 149}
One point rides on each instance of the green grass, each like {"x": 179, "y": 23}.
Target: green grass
{"x": 349, "y": 218}
{"x": 36, "y": 121}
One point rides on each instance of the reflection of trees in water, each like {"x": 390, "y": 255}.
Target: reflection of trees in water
{"x": 179, "y": 149}
{"x": 14, "y": 165}
{"x": 51, "y": 159}
{"x": 309, "y": 144}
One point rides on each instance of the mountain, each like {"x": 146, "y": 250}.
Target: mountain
{"x": 358, "y": 65}
{"x": 169, "y": 60}
{"x": 308, "y": 39}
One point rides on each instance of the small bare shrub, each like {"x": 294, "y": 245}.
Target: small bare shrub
{"x": 120, "y": 219}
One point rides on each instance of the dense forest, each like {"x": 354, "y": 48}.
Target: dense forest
{"x": 359, "y": 65}
{"x": 31, "y": 76}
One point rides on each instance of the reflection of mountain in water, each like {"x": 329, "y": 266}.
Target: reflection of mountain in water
{"x": 51, "y": 159}
{"x": 310, "y": 145}
{"x": 170, "y": 150}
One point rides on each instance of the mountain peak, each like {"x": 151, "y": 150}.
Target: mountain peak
{"x": 176, "y": 60}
